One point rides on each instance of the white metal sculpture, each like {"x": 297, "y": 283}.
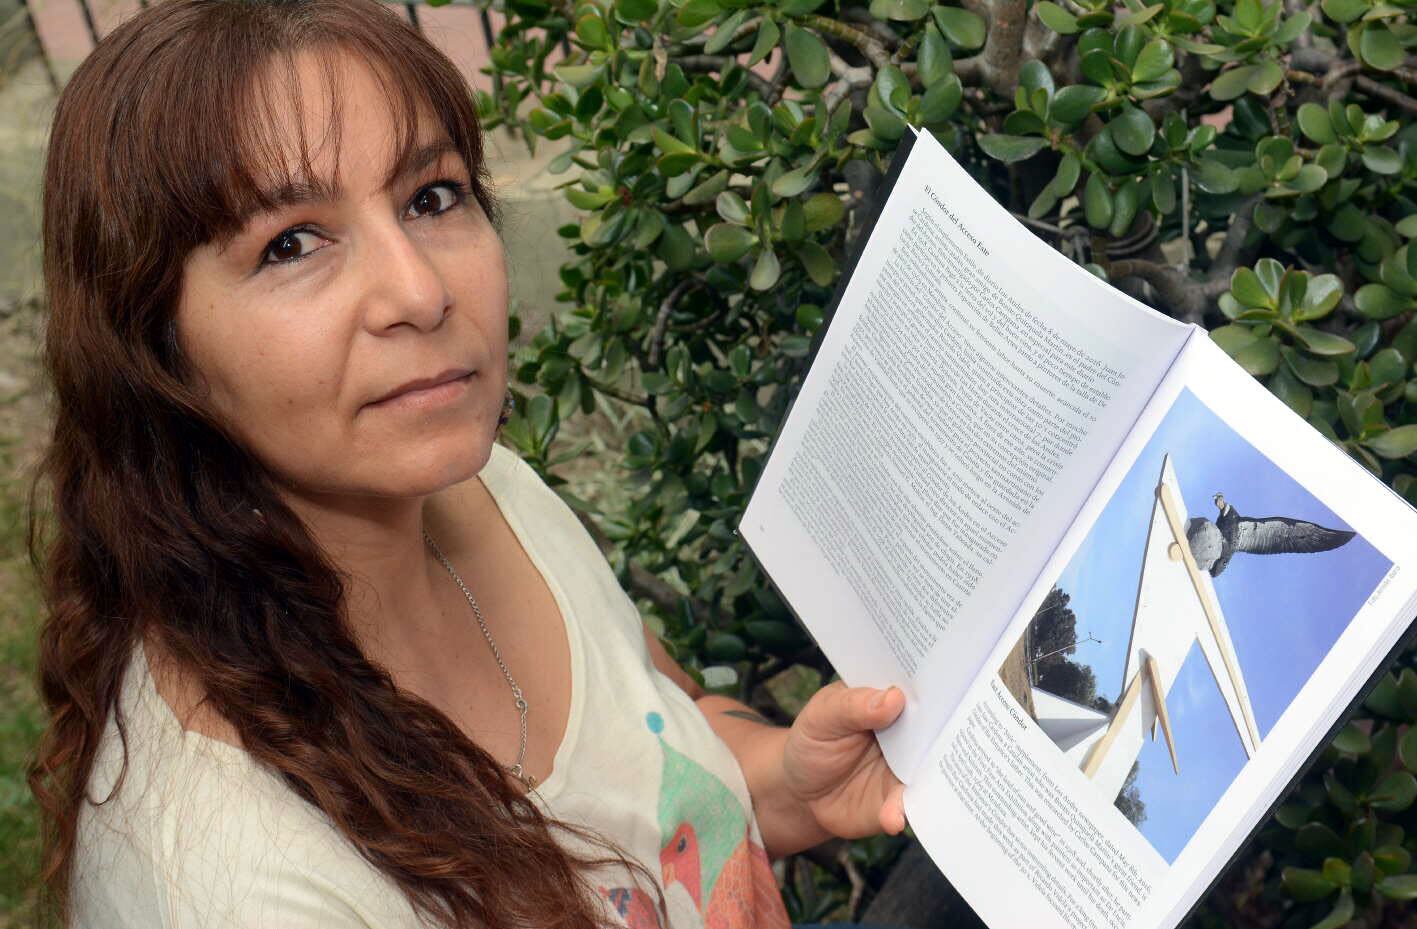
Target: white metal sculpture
{"x": 1176, "y": 607}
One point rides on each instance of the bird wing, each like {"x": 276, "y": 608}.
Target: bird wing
{"x": 1272, "y": 535}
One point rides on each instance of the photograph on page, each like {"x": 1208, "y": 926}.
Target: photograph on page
{"x": 1201, "y": 601}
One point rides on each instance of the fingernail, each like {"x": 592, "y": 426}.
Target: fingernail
{"x": 879, "y": 700}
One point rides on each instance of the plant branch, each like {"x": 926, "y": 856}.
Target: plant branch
{"x": 1184, "y": 296}
{"x": 1383, "y": 92}
{"x": 610, "y": 390}
{"x": 661, "y": 321}
{"x": 862, "y": 17}
{"x": 1003, "y": 50}
{"x": 867, "y": 45}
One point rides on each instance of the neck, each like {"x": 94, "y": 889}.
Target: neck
{"x": 377, "y": 545}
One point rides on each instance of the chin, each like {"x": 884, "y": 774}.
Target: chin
{"x": 438, "y": 465}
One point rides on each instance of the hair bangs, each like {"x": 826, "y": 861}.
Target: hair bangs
{"x": 244, "y": 161}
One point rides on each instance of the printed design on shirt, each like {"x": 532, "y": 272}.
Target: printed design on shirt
{"x": 706, "y": 846}
{"x": 634, "y": 906}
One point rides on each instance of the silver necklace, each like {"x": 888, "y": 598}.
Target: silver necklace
{"x": 516, "y": 770}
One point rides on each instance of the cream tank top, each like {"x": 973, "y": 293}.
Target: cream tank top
{"x": 198, "y": 835}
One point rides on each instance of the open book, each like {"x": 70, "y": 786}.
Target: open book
{"x": 1127, "y": 592}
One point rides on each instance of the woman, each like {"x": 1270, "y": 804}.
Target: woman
{"x": 319, "y": 652}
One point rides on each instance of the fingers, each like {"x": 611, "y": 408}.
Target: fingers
{"x": 893, "y": 811}
{"x": 837, "y": 710}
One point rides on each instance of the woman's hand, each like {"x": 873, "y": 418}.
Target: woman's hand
{"x": 833, "y": 764}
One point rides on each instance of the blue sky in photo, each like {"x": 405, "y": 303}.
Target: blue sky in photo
{"x": 1284, "y": 611}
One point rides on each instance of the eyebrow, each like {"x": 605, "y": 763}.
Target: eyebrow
{"x": 303, "y": 190}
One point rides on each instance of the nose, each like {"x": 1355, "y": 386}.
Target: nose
{"x": 405, "y": 288}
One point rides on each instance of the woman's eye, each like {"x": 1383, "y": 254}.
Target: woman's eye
{"x": 436, "y": 198}
{"x": 291, "y": 245}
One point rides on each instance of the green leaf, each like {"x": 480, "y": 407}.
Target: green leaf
{"x": 792, "y": 183}
{"x": 1392, "y": 859}
{"x": 1213, "y": 177}
{"x": 1344, "y": 11}
{"x": 1379, "y": 47}
{"x": 1323, "y": 343}
{"x": 1133, "y": 131}
{"x": 1245, "y": 284}
{"x": 1045, "y": 201}
{"x": 1398, "y": 887}
{"x": 1271, "y": 276}
{"x": 634, "y": 11}
{"x": 901, "y": 10}
{"x": 1097, "y": 202}
{"x": 732, "y": 207}
{"x": 1260, "y": 357}
{"x": 1341, "y": 914}
{"x": 1316, "y": 372}
{"x": 671, "y": 145}
{"x": 807, "y": 56}
{"x": 1396, "y": 791}
{"x": 1232, "y": 84}
{"x": 1265, "y": 78}
{"x": 705, "y": 191}
{"x": 819, "y": 265}
{"x": 963, "y": 28}
{"x": 823, "y": 210}
{"x": 940, "y": 101}
{"x": 1376, "y": 301}
{"x": 1349, "y": 223}
{"x": 1338, "y": 871}
{"x": 809, "y": 316}
{"x": 1309, "y": 179}
{"x": 1232, "y": 337}
{"x": 1124, "y": 208}
{"x": 676, "y": 248}
{"x": 1381, "y": 159}
{"x": 1407, "y": 748}
{"x": 725, "y": 646}
{"x": 727, "y": 242}
{"x": 1295, "y": 395}
{"x": 766, "y": 270}
{"x": 1352, "y": 740}
{"x": 1073, "y": 103}
{"x": 1394, "y": 443}
{"x": 893, "y": 88}
{"x": 1011, "y": 148}
{"x": 590, "y": 29}
{"x": 722, "y": 33}
{"x": 1319, "y": 840}
{"x": 1097, "y": 67}
{"x": 768, "y": 36}
{"x": 1154, "y": 60}
{"x": 1056, "y": 18}
{"x": 1314, "y": 123}
{"x": 1306, "y": 885}
{"x": 934, "y": 61}
{"x": 1066, "y": 178}
{"x": 1034, "y": 75}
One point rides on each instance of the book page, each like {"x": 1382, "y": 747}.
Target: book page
{"x": 971, "y": 387}
{"x": 1223, "y": 596}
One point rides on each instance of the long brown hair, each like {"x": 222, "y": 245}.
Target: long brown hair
{"x": 161, "y": 142}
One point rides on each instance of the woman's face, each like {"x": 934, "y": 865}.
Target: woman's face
{"x": 356, "y": 342}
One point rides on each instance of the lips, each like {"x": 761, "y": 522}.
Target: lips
{"x": 420, "y": 384}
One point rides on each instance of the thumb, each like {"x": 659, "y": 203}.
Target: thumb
{"x": 837, "y": 711}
